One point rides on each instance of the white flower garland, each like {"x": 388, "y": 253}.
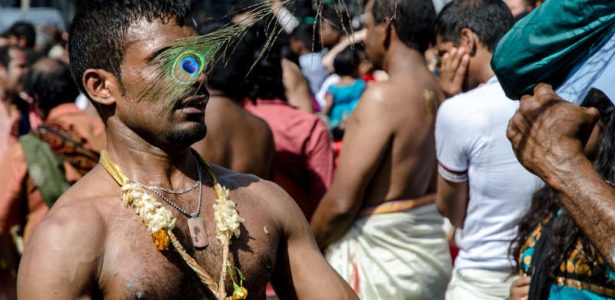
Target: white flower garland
{"x": 160, "y": 223}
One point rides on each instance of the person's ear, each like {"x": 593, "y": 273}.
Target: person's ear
{"x": 469, "y": 41}
{"x": 101, "y": 86}
{"x": 384, "y": 29}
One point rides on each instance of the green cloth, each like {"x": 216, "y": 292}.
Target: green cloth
{"x": 45, "y": 168}
{"x": 548, "y": 43}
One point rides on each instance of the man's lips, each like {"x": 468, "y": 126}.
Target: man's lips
{"x": 193, "y": 105}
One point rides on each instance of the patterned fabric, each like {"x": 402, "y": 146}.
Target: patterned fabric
{"x": 69, "y": 145}
{"x": 581, "y": 274}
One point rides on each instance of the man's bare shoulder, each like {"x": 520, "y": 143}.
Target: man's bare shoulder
{"x": 248, "y": 183}
{"x": 67, "y": 245}
{"x": 270, "y": 198}
{"x": 79, "y": 210}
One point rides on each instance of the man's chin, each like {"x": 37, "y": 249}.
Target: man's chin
{"x": 188, "y": 136}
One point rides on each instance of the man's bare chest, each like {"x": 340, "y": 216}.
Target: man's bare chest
{"x": 134, "y": 268}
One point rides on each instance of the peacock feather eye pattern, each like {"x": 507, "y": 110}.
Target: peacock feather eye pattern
{"x": 187, "y": 67}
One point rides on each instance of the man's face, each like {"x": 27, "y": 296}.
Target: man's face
{"x": 13, "y": 74}
{"x": 330, "y": 34}
{"x": 179, "y": 124}
{"x": 375, "y": 35}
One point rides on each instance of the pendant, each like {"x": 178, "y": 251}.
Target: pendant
{"x": 197, "y": 232}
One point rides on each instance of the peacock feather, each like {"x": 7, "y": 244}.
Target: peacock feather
{"x": 176, "y": 68}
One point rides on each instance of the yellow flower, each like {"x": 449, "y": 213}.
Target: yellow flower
{"x": 239, "y": 292}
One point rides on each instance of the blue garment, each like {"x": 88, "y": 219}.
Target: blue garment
{"x": 345, "y": 99}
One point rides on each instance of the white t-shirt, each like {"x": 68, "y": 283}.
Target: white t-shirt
{"x": 471, "y": 144}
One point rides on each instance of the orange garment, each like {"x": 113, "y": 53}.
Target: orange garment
{"x": 16, "y": 185}
{"x": 9, "y": 127}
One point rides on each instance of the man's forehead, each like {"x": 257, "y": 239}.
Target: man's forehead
{"x": 149, "y": 36}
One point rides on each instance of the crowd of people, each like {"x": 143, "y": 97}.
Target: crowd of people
{"x": 414, "y": 149}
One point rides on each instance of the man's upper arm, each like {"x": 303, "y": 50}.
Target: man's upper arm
{"x": 365, "y": 142}
{"x": 452, "y": 200}
{"x": 61, "y": 260}
{"x": 301, "y": 270}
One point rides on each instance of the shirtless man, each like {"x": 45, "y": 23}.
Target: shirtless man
{"x": 236, "y": 139}
{"x": 388, "y": 165}
{"x": 91, "y": 246}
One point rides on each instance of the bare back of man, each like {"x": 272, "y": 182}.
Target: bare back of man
{"x": 388, "y": 154}
{"x": 91, "y": 246}
{"x": 236, "y": 139}
{"x": 406, "y": 104}
{"x": 388, "y": 150}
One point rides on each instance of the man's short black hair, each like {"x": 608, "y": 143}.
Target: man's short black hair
{"x": 51, "y": 84}
{"x": 97, "y": 37}
{"x": 488, "y": 19}
{"x": 5, "y": 56}
{"x": 346, "y": 63}
{"x": 412, "y": 20}
{"x": 25, "y": 30}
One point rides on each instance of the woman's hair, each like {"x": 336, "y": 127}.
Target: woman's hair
{"x": 545, "y": 203}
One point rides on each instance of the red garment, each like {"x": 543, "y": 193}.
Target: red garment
{"x": 369, "y": 77}
{"x": 15, "y": 183}
{"x": 303, "y": 163}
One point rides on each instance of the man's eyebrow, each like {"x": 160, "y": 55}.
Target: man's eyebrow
{"x": 157, "y": 53}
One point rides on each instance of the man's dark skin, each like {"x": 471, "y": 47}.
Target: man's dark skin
{"x": 235, "y": 138}
{"x": 389, "y": 144}
{"x": 90, "y": 245}
{"x": 548, "y": 136}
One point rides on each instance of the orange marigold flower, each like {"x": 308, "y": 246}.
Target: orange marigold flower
{"x": 161, "y": 239}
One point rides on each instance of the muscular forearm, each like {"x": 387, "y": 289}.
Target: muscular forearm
{"x": 590, "y": 202}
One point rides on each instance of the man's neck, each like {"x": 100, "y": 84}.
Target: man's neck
{"x": 148, "y": 164}
{"x": 402, "y": 59}
{"x": 484, "y": 72}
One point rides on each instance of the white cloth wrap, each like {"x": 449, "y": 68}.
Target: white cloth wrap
{"x": 402, "y": 255}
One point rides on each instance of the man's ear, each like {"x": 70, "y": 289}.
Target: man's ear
{"x": 469, "y": 41}
{"x": 101, "y": 86}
